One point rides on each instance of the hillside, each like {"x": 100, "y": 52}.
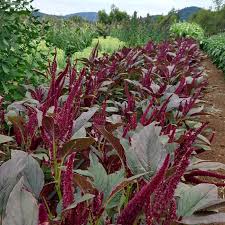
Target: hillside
{"x": 90, "y": 16}
{"x": 187, "y": 12}
{"x": 184, "y": 14}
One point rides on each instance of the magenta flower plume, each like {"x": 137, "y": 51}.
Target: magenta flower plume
{"x": 1, "y": 111}
{"x": 135, "y": 205}
{"x": 43, "y": 215}
{"x": 192, "y": 177}
{"x": 68, "y": 197}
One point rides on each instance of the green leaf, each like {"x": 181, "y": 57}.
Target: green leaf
{"x": 206, "y": 218}
{"x": 5, "y": 69}
{"x": 83, "y": 198}
{"x": 101, "y": 180}
{"x": 22, "y": 207}
{"x": 205, "y": 165}
{"x": 195, "y": 198}
{"x": 12, "y": 170}
{"x": 5, "y": 139}
{"x": 132, "y": 159}
{"x": 32, "y": 171}
{"x": 83, "y": 119}
{"x": 147, "y": 151}
{"x": 115, "y": 195}
{"x": 5, "y": 42}
{"x": 81, "y": 133}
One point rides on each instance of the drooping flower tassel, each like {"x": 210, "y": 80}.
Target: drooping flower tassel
{"x": 135, "y": 205}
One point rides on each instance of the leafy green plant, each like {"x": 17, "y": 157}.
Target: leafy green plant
{"x": 107, "y": 45}
{"x": 215, "y": 47}
{"x": 70, "y": 36}
{"x": 212, "y": 20}
{"x": 185, "y": 29}
{"x": 137, "y": 31}
{"x": 19, "y": 38}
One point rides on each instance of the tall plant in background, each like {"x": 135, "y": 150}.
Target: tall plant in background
{"x": 212, "y": 20}
{"x": 184, "y": 29}
{"x": 215, "y": 48}
{"x": 218, "y": 4}
{"x": 19, "y": 37}
{"x": 71, "y": 35}
{"x": 138, "y": 31}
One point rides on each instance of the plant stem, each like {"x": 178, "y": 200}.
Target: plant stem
{"x": 57, "y": 172}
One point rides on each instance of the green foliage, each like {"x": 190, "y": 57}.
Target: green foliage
{"x": 48, "y": 51}
{"x": 115, "y": 16}
{"x": 215, "y": 47}
{"x": 212, "y": 21}
{"x": 19, "y": 37}
{"x": 184, "y": 29}
{"x": 218, "y": 4}
{"x": 105, "y": 45}
{"x": 70, "y": 35}
{"x": 103, "y": 17}
{"x": 137, "y": 31}
{"x": 108, "y": 44}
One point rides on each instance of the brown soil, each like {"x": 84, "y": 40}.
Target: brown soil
{"x": 215, "y": 103}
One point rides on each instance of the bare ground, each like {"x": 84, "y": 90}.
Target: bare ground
{"x": 215, "y": 103}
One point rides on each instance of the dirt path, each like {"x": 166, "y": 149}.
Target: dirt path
{"x": 215, "y": 102}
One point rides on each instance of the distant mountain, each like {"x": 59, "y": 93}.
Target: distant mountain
{"x": 89, "y": 16}
{"x": 184, "y": 14}
{"x": 187, "y": 12}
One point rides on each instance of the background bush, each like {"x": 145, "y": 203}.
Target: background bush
{"x": 215, "y": 47}
{"x": 70, "y": 35}
{"x": 185, "y": 29}
{"x": 213, "y": 21}
{"x": 19, "y": 37}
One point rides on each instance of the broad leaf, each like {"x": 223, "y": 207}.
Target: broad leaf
{"x": 195, "y": 198}
{"x": 147, "y": 150}
{"x": 5, "y": 139}
{"x": 11, "y": 171}
{"x": 204, "y": 218}
{"x": 205, "y": 165}
{"x": 84, "y": 198}
{"x": 32, "y": 171}
{"x": 76, "y": 145}
{"x": 22, "y": 207}
{"x": 101, "y": 180}
{"x": 131, "y": 158}
{"x": 83, "y": 119}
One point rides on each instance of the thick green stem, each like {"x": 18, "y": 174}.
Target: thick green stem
{"x": 57, "y": 171}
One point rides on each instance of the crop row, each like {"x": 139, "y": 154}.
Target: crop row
{"x": 113, "y": 143}
{"x": 215, "y": 47}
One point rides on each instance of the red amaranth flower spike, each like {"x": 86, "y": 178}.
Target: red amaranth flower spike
{"x": 135, "y": 205}
{"x": 164, "y": 195}
{"x": 2, "y": 113}
{"x": 68, "y": 196}
{"x": 130, "y": 100}
{"x": 43, "y": 215}
{"x": 144, "y": 119}
{"x": 192, "y": 177}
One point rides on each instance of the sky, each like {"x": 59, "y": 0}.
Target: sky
{"x": 153, "y": 7}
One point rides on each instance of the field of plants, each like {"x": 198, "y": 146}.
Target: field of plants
{"x": 102, "y": 128}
